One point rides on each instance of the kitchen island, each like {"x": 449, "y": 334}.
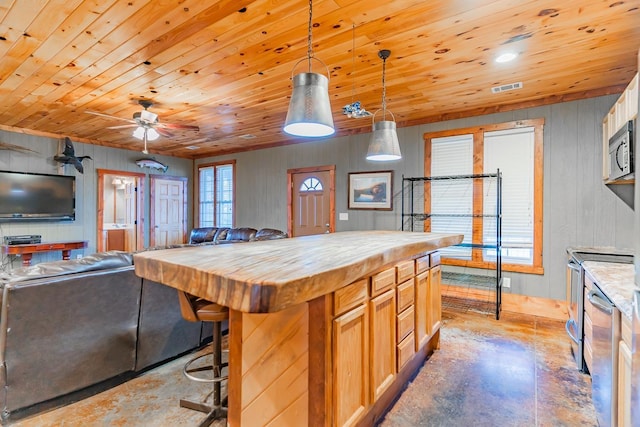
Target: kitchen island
{"x": 323, "y": 330}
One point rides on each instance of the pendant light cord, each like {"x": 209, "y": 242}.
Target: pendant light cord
{"x": 384, "y": 89}
{"x": 353, "y": 63}
{"x": 309, "y": 41}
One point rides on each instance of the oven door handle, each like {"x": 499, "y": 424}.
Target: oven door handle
{"x": 600, "y": 303}
{"x": 567, "y": 327}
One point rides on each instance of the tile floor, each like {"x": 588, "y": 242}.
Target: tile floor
{"x": 516, "y": 371}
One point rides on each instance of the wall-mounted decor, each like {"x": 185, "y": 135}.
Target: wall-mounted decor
{"x": 371, "y": 190}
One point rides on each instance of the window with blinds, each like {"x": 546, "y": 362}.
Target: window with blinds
{"x": 515, "y": 150}
{"x": 449, "y": 198}
{"x": 216, "y": 195}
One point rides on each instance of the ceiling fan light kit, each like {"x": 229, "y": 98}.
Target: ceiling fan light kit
{"x": 384, "y": 145}
{"x": 309, "y": 111}
{"x": 146, "y": 124}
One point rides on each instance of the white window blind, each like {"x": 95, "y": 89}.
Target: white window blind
{"x": 511, "y": 151}
{"x": 216, "y": 196}
{"x": 206, "y": 197}
{"x": 452, "y": 200}
{"x": 224, "y": 196}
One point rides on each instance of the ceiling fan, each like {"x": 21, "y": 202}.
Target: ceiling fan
{"x": 148, "y": 128}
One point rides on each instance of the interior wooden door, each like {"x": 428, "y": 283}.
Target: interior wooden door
{"x": 168, "y": 202}
{"x": 311, "y": 201}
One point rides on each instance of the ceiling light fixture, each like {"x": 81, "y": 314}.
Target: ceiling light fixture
{"x": 146, "y": 134}
{"x": 384, "y": 145}
{"x": 309, "y": 108}
{"x": 506, "y": 57}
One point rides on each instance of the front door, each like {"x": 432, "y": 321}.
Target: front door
{"x": 312, "y": 198}
{"x": 169, "y": 210}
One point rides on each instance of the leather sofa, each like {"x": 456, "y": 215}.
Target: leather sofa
{"x": 69, "y": 325}
{"x": 215, "y": 235}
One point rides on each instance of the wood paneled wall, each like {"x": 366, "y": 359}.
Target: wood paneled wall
{"x": 578, "y": 208}
{"x": 84, "y": 227}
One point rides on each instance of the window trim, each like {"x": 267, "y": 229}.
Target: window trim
{"x": 478, "y": 161}
{"x": 196, "y": 189}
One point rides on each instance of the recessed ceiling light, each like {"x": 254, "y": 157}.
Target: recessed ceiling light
{"x": 506, "y": 57}
{"x": 247, "y": 136}
{"x": 192, "y": 147}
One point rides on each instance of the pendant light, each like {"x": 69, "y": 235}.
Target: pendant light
{"x": 309, "y": 109}
{"x": 384, "y": 145}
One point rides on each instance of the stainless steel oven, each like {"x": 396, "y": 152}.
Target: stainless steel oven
{"x": 575, "y": 297}
{"x": 575, "y": 300}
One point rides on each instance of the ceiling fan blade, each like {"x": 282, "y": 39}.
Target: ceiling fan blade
{"x": 177, "y": 126}
{"x": 95, "y": 113}
{"x": 163, "y": 132}
{"x": 122, "y": 126}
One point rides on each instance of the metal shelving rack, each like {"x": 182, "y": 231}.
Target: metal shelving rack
{"x": 413, "y": 217}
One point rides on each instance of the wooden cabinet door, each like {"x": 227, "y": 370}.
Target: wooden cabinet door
{"x": 624, "y": 385}
{"x": 350, "y": 366}
{"x": 420, "y": 304}
{"x": 383, "y": 343}
{"x": 434, "y": 301}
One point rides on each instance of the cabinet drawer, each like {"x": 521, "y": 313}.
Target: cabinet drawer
{"x": 422, "y": 264}
{"x": 435, "y": 259}
{"x": 383, "y": 281}
{"x": 405, "y": 295}
{"x": 405, "y": 270}
{"x": 406, "y": 350}
{"x": 626, "y": 331}
{"x": 405, "y": 323}
{"x": 350, "y": 296}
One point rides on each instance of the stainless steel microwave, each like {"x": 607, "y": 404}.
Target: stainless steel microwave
{"x": 621, "y": 152}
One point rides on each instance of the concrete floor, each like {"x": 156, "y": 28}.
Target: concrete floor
{"x": 516, "y": 371}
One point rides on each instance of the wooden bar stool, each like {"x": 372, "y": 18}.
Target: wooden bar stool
{"x": 196, "y": 309}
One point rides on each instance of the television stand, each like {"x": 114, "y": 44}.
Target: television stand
{"x": 26, "y": 251}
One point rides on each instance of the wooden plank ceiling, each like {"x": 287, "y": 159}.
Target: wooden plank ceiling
{"x": 226, "y": 66}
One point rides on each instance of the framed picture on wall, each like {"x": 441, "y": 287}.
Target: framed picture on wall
{"x": 371, "y": 190}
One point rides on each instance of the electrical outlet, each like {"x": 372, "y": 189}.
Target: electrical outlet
{"x": 506, "y": 282}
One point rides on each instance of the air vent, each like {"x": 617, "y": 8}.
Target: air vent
{"x": 504, "y": 88}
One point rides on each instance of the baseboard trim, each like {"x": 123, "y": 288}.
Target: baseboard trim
{"x": 522, "y": 304}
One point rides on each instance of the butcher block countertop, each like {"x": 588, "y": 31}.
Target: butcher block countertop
{"x": 269, "y": 276}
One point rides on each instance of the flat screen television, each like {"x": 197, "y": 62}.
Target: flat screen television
{"x": 37, "y": 197}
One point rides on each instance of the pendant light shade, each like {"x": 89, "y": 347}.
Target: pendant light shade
{"x": 384, "y": 145}
{"x": 309, "y": 111}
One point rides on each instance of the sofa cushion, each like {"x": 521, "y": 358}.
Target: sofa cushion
{"x": 244, "y": 234}
{"x": 203, "y": 234}
{"x": 270, "y": 234}
{"x": 97, "y": 261}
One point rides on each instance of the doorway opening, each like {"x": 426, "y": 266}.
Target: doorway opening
{"x": 120, "y": 219}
